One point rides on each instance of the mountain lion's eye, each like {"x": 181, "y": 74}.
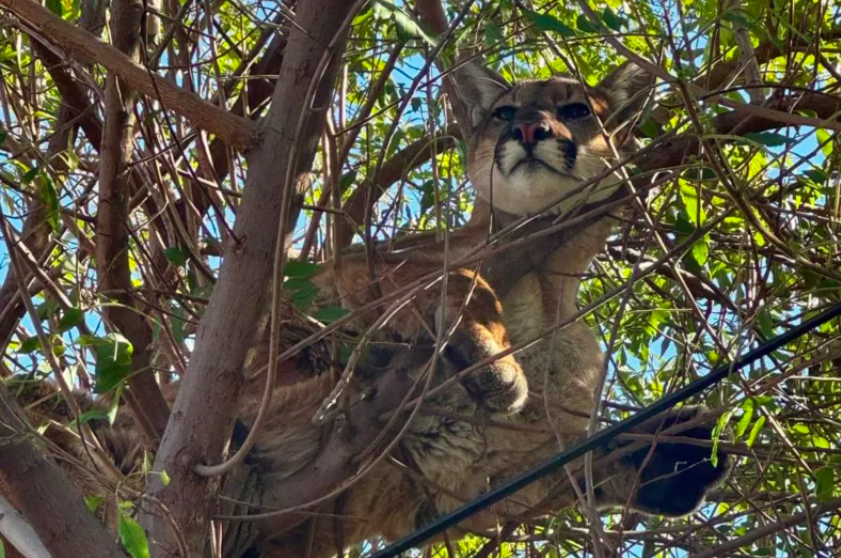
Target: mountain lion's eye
{"x": 506, "y": 112}
{"x": 573, "y": 111}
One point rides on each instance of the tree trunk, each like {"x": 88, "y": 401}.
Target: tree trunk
{"x": 204, "y": 410}
{"x": 44, "y": 495}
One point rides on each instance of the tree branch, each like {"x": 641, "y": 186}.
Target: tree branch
{"x": 80, "y": 44}
{"x": 672, "y": 153}
{"x": 43, "y": 494}
{"x": 73, "y": 93}
{"x": 432, "y": 13}
{"x": 769, "y": 529}
{"x": 112, "y": 231}
{"x": 203, "y": 412}
{"x": 36, "y": 230}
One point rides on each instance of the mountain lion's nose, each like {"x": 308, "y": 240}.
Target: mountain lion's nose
{"x": 529, "y": 133}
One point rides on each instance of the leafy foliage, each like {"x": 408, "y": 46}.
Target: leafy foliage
{"x": 736, "y": 244}
{"x": 133, "y": 537}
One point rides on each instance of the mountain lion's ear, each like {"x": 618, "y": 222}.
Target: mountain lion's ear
{"x": 627, "y": 89}
{"x": 478, "y": 87}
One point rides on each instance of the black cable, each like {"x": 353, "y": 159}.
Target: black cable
{"x": 514, "y": 485}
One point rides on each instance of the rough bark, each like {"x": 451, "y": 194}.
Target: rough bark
{"x": 44, "y": 495}
{"x": 203, "y": 412}
{"x": 112, "y": 231}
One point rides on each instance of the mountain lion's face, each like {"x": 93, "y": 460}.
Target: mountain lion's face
{"x": 535, "y": 142}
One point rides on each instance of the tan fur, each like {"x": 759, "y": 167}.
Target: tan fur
{"x": 462, "y": 458}
{"x": 290, "y": 440}
{"x": 562, "y": 369}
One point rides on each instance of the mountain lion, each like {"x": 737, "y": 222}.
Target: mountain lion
{"x": 531, "y": 144}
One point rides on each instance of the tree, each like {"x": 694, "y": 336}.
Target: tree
{"x": 149, "y": 180}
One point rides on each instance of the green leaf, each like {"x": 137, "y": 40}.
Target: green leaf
{"x": 3, "y": 135}
{"x": 720, "y": 426}
{"x": 747, "y": 416}
{"x": 816, "y": 175}
{"x": 113, "y": 359}
{"x": 824, "y": 483}
{"x": 71, "y": 318}
{"x": 300, "y": 269}
{"x": 650, "y": 128}
{"x": 93, "y": 414}
{"x": 55, "y": 7}
{"x": 801, "y": 429}
{"x": 298, "y": 284}
{"x": 347, "y": 179}
{"x": 694, "y": 208}
{"x": 30, "y": 175}
{"x": 427, "y": 196}
{"x": 701, "y": 251}
{"x": 584, "y": 24}
{"x": 303, "y": 299}
{"x": 176, "y": 255}
{"x": 165, "y": 480}
{"x": 754, "y": 432}
{"x": 548, "y": 23}
{"x": 612, "y": 20}
{"x": 493, "y": 34}
{"x": 93, "y": 502}
{"x": 303, "y": 291}
{"x": 114, "y": 406}
{"x": 57, "y": 346}
{"x": 769, "y": 139}
{"x": 407, "y": 26}
{"x": 49, "y": 197}
{"x": 737, "y": 19}
{"x": 766, "y": 326}
{"x": 29, "y": 345}
{"x": 47, "y": 309}
{"x": 179, "y": 326}
{"x": 133, "y": 537}
{"x": 700, "y": 173}
{"x": 330, "y": 314}
{"x": 825, "y": 141}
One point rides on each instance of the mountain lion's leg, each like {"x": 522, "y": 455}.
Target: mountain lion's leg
{"x": 472, "y": 319}
{"x": 672, "y": 478}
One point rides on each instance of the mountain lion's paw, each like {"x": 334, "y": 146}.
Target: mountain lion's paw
{"x": 678, "y": 476}
{"x": 500, "y": 386}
